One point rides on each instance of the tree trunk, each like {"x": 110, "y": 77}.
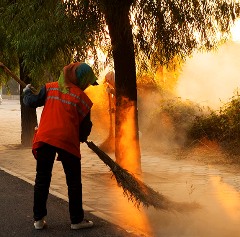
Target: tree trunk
{"x": 28, "y": 115}
{"x": 127, "y": 148}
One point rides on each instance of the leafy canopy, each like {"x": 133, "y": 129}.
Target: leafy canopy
{"x": 45, "y": 34}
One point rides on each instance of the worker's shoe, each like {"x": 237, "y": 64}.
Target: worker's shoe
{"x": 83, "y": 224}
{"x": 40, "y": 224}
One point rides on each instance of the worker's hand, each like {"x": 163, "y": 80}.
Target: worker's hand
{"x": 28, "y": 87}
{"x": 83, "y": 138}
{"x": 1, "y": 64}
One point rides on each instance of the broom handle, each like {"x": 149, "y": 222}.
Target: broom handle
{"x": 102, "y": 155}
{"x": 110, "y": 115}
{"x": 22, "y": 83}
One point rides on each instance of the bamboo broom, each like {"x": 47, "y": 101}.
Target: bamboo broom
{"x": 135, "y": 190}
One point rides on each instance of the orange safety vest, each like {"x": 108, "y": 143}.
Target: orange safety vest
{"x": 61, "y": 118}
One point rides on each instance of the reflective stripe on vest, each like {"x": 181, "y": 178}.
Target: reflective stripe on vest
{"x": 78, "y": 107}
{"x": 61, "y": 118}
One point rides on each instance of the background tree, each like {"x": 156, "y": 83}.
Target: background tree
{"x": 158, "y": 31}
{"x": 10, "y": 56}
{"x": 152, "y": 31}
{"x": 37, "y": 40}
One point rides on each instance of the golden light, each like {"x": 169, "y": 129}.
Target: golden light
{"x": 235, "y": 31}
{"x": 227, "y": 196}
{"x": 127, "y": 157}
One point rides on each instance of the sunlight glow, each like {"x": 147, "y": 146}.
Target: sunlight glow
{"x": 235, "y": 31}
{"x": 227, "y": 196}
{"x": 137, "y": 217}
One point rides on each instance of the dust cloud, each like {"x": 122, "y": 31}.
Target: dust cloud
{"x": 207, "y": 79}
{"x": 163, "y": 130}
{"x": 99, "y": 113}
{"x": 211, "y": 79}
{"x": 219, "y": 215}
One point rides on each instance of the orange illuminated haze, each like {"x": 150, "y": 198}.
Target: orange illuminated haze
{"x": 211, "y": 79}
{"x": 127, "y": 134}
{"x": 208, "y": 79}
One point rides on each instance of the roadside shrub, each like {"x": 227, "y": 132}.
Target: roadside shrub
{"x": 222, "y": 126}
{"x": 166, "y": 124}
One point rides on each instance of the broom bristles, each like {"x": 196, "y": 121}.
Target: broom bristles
{"x": 133, "y": 188}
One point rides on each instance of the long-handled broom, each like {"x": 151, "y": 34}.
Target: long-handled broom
{"x": 10, "y": 73}
{"x": 135, "y": 190}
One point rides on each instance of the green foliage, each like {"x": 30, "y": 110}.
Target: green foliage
{"x": 45, "y": 34}
{"x": 222, "y": 126}
{"x": 166, "y": 29}
{"x": 205, "y": 126}
{"x": 7, "y": 54}
{"x": 179, "y": 111}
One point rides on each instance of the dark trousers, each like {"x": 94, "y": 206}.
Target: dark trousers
{"x": 72, "y": 168}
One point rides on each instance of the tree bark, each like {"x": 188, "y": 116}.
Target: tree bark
{"x": 28, "y": 115}
{"x": 127, "y": 148}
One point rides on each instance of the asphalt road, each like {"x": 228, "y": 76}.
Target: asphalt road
{"x": 16, "y": 219}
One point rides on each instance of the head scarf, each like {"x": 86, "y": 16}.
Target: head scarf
{"x": 79, "y": 74}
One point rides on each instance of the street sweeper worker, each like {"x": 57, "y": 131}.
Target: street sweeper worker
{"x": 65, "y": 122}
{"x": 109, "y": 81}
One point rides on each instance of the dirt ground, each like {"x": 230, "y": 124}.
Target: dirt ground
{"x": 198, "y": 177}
